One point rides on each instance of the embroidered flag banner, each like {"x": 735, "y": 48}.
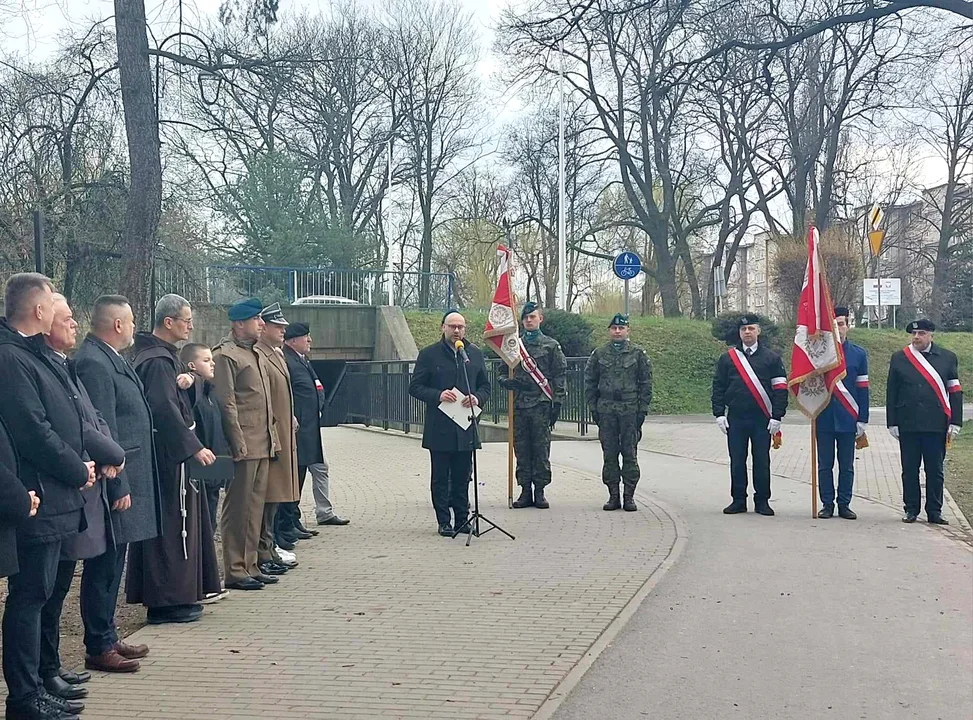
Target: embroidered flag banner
{"x": 817, "y": 361}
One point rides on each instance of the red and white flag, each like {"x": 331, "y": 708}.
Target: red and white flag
{"x": 501, "y": 327}
{"x": 817, "y": 360}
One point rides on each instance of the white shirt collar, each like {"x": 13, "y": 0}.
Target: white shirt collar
{"x": 751, "y": 349}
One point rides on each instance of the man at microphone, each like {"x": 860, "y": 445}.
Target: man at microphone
{"x": 439, "y": 377}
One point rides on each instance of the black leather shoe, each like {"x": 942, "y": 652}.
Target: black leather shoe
{"x": 39, "y": 707}
{"x": 246, "y": 584}
{"x": 334, "y": 520}
{"x": 290, "y": 536}
{"x": 937, "y": 520}
{"x": 300, "y": 528}
{"x": 763, "y": 509}
{"x": 300, "y": 535}
{"x": 827, "y": 511}
{"x": 910, "y": 517}
{"x": 66, "y": 707}
{"x": 267, "y": 579}
{"x": 735, "y": 508}
{"x": 283, "y": 544}
{"x": 74, "y": 678}
{"x": 56, "y": 686}
{"x": 178, "y": 614}
{"x": 847, "y": 513}
{"x": 446, "y": 530}
{"x": 272, "y": 568}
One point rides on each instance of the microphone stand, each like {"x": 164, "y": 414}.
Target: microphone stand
{"x": 472, "y": 524}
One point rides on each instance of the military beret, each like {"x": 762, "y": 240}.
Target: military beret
{"x": 620, "y": 319}
{"x": 748, "y": 320}
{"x": 920, "y": 324}
{"x": 296, "y": 330}
{"x": 245, "y": 309}
{"x": 840, "y": 311}
{"x": 273, "y": 314}
{"x": 527, "y": 309}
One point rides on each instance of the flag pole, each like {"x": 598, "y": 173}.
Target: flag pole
{"x": 814, "y": 468}
{"x": 510, "y": 442}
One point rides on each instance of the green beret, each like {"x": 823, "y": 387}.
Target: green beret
{"x": 245, "y": 309}
{"x": 527, "y": 309}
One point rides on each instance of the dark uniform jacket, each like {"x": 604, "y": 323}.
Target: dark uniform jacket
{"x": 732, "y": 397}
{"x": 835, "y": 418}
{"x": 547, "y": 353}
{"x": 309, "y": 400}
{"x": 116, "y": 391}
{"x": 618, "y": 380}
{"x": 14, "y": 504}
{"x": 437, "y": 369}
{"x": 43, "y": 416}
{"x": 209, "y": 421}
{"x": 911, "y": 403}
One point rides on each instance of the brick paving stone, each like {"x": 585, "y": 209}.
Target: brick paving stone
{"x": 386, "y": 619}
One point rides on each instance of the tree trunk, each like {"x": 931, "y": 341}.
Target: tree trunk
{"x": 144, "y": 205}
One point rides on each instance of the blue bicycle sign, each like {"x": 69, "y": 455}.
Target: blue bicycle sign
{"x": 627, "y": 265}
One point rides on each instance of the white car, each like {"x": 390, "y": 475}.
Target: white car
{"x": 325, "y": 300}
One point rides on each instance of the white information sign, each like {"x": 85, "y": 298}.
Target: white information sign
{"x": 891, "y": 291}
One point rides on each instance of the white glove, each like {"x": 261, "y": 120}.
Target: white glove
{"x": 773, "y": 427}
{"x": 723, "y": 423}
{"x": 860, "y": 429}
{"x": 952, "y": 430}
{"x": 894, "y": 432}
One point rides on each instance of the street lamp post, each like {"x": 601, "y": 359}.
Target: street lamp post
{"x": 562, "y": 247}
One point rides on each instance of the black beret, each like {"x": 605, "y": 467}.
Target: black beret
{"x": 620, "y": 319}
{"x": 749, "y": 320}
{"x": 296, "y": 330}
{"x": 840, "y": 311}
{"x": 527, "y": 309}
{"x": 920, "y": 324}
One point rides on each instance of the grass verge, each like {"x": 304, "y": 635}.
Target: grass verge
{"x": 959, "y": 472}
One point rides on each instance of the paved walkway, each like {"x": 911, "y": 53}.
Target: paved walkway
{"x": 384, "y": 618}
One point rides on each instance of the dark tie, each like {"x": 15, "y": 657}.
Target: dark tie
{"x": 749, "y": 351}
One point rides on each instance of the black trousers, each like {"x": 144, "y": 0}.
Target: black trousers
{"x": 27, "y": 593}
{"x": 50, "y": 660}
{"x": 929, "y": 449}
{"x": 289, "y": 514}
{"x": 749, "y": 433}
{"x": 451, "y": 474}
{"x": 212, "y": 490}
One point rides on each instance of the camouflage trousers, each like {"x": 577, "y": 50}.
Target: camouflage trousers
{"x": 532, "y": 445}
{"x": 618, "y": 433}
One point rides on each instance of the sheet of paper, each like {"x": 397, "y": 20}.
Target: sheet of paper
{"x": 456, "y": 412}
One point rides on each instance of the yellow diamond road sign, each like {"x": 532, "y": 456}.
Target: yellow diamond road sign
{"x": 875, "y": 238}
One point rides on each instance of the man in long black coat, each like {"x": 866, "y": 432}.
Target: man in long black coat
{"x": 172, "y": 573}
{"x": 438, "y": 370}
{"x": 43, "y": 416}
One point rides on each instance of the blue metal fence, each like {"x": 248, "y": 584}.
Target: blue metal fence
{"x": 225, "y": 284}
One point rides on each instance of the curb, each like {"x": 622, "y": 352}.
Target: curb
{"x": 574, "y": 676}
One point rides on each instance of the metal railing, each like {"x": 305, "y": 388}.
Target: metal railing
{"x": 226, "y": 284}
{"x": 377, "y": 394}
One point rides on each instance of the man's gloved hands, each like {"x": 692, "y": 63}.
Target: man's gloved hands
{"x": 639, "y": 421}
{"x": 555, "y": 413}
{"x": 773, "y": 427}
{"x": 860, "y": 429}
{"x": 511, "y": 383}
{"x": 953, "y": 430}
{"x": 723, "y": 423}
{"x": 894, "y": 432}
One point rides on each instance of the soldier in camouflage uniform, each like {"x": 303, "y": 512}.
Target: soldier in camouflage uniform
{"x": 618, "y": 389}
{"x": 534, "y": 413}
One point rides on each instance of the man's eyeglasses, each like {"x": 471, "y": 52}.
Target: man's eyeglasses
{"x": 187, "y": 321}
{"x": 456, "y": 327}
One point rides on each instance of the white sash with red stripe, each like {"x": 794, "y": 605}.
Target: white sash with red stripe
{"x": 535, "y": 372}
{"x": 750, "y": 379}
{"x": 931, "y": 376}
{"x": 846, "y": 399}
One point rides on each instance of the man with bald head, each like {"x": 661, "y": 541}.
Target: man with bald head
{"x": 437, "y": 377}
{"x": 116, "y": 391}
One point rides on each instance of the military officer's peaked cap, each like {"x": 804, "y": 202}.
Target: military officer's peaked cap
{"x": 749, "y": 320}
{"x": 620, "y": 319}
{"x": 841, "y": 311}
{"x": 273, "y": 314}
{"x": 920, "y": 324}
{"x": 527, "y": 309}
{"x": 244, "y": 310}
{"x": 296, "y": 330}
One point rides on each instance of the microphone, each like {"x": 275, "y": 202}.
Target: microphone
{"x": 461, "y": 350}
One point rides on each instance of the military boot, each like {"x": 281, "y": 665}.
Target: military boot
{"x": 614, "y": 501}
{"x": 526, "y": 498}
{"x": 629, "y": 504}
{"x": 539, "y": 500}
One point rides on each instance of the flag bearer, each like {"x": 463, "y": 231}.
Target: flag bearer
{"x": 843, "y": 421}
{"x": 749, "y": 402}
{"x": 924, "y": 406}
